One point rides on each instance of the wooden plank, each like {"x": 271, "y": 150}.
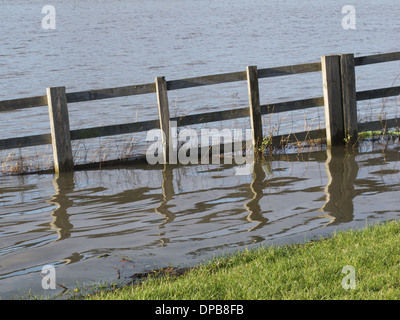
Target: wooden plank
{"x": 377, "y": 93}
{"x": 111, "y": 130}
{"x": 60, "y": 131}
{"x": 332, "y": 100}
{"x": 190, "y": 82}
{"x": 163, "y": 112}
{"x": 27, "y": 141}
{"x": 244, "y": 112}
{"x": 193, "y": 119}
{"x": 292, "y": 105}
{"x": 288, "y": 70}
{"x": 23, "y": 103}
{"x": 110, "y": 93}
{"x": 107, "y": 93}
{"x": 349, "y": 103}
{"x": 299, "y": 136}
{"x": 379, "y": 125}
{"x": 254, "y": 106}
{"x": 211, "y": 116}
{"x": 377, "y": 58}
{"x": 206, "y": 80}
{"x": 96, "y": 132}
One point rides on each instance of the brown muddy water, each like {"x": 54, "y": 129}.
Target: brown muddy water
{"x": 106, "y": 225}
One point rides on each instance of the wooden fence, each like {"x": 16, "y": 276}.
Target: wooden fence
{"x": 339, "y": 101}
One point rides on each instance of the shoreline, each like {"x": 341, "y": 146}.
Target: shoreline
{"x": 312, "y": 270}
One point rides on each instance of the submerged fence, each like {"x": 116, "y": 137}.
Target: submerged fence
{"x": 339, "y": 100}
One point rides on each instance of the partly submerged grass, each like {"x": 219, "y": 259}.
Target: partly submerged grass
{"x": 375, "y": 133}
{"x": 304, "y": 271}
{"x": 14, "y": 163}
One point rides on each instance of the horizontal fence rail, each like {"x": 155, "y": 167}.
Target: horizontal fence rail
{"x": 110, "y": 93}
{"x": 379, "y": 125}
{"x": 28, "y": 141}
{"x": 24, "y": 103}
{"x": 378, "y": 93}
{"x": 288, "y": 70}
{"x": 377, "y": 58}
{"x": 339, "y": 102}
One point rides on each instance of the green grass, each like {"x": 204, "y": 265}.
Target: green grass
{"x": 312, "y": 270}
{"x": 369, "y": 134}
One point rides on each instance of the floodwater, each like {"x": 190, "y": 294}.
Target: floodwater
{"x": 98, "y": 225}
{"x": 94, "y": 225}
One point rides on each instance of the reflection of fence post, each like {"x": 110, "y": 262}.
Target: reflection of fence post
{"x": 163, "y": 111}
{"x": 256, "y": 193}
{"x": 349, "y": 101}
{"x": 332, "y": 99}
{"x": 167, "y": 193}
{"x": 60, "y": 131}
{"x": 255, "y": 109}
{"x": 342, "y": 170}
{"x": 63, "y": 186}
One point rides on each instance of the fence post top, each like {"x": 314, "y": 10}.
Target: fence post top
{"x": 329, "y": 55}
{"x": 52, "y": 90}
{"x": 59, "y": 87}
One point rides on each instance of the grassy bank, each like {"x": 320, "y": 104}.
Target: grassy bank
{"x": 308, "y": 271}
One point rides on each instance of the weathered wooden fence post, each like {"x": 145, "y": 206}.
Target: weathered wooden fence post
{"x": 331, "y": 77}
{"x": 163, "y": 111}
{"x": 254, "y": 105}
{"x": 60, "y": 130}
{"x": 349, "y": 100}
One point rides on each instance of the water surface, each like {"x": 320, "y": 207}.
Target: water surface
{"x": 85, "y": 222}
